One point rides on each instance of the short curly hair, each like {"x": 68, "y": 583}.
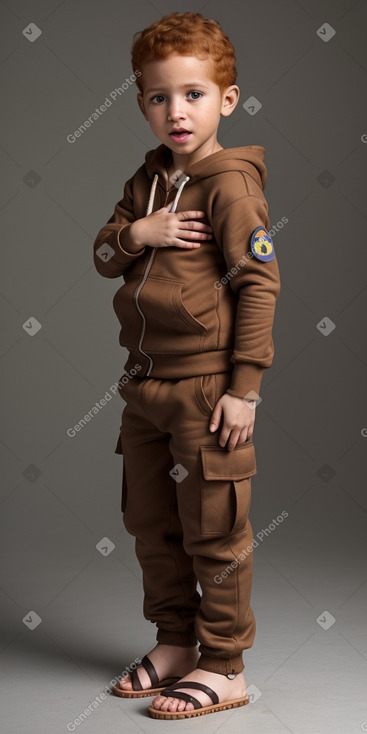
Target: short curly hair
{"x": 186, "y": 34}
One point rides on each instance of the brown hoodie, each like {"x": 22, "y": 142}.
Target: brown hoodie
{"x": 178, "y": 319}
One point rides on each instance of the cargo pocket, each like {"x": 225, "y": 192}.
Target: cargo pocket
{"x": 226, "y": 488}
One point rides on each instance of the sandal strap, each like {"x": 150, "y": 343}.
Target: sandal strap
{"x": 135, "y": 682}
{"x": 193, "y": 684}
{"x": 150, "y": 669}
{"x": 182, "y": 696}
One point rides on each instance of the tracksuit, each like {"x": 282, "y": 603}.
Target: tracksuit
{"x": 197, "y": 323}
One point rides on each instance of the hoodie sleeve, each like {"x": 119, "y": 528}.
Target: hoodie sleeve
{"x": 111, "y": 247}
{"x": 257, "y": 286}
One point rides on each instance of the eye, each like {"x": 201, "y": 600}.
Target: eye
{"x": 158, "y": 97}
{"x": 199, "y": 93}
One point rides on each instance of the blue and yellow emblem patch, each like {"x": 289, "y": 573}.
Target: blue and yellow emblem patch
{"x": 262, "y": 245}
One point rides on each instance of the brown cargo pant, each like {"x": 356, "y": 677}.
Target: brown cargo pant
{"x": 186, "y": 500}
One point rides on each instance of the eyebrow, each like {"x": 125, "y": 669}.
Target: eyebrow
{"x": 182, "y": 86}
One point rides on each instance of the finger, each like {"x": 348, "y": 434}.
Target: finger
{"x": 190, "y": 215}
{"x": 224, "y": 435}
{"x": 192, "y": 224}
{"x": 195, "y": 231}
{"x": 184, "y": 244}
{"x": 188, "y": 234}
{"x": 244, "y": 436}
{"x": 215, "y": 418}
{"x": 194, "y": 227}
{"x": 232, "y": 443}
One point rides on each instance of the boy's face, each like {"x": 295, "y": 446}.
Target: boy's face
{"x": 178, "y": 93}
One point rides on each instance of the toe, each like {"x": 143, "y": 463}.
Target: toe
{"x": 189, "y": 706}
{"x": 157, "y": 702}
{"x": 125, "y": 683}
{"x": 166, "y": 704}
{"x": 177, "y": 704}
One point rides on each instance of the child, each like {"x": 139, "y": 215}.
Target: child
{"x": 196, "y": 311}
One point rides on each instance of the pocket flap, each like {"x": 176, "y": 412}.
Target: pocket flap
{"x": 219, "y": 463}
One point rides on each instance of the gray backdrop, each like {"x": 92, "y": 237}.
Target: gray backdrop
{"x": 71, "y": 591}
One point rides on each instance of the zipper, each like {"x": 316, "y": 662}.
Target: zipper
{"x": 136, "y": 297}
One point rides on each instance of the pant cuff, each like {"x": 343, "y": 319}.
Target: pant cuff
{"x": 224, "y": 666}
{"x": 181, "y": 639}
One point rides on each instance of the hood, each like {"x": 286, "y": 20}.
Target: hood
{"x": 247, "y": 158}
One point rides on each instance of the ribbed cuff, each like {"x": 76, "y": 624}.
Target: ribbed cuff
{"x": 246, "y": 380}
{"x": 226, "y": 666}
{"x": 123, "y": 239}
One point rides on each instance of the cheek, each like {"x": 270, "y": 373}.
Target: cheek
{"x": 206, "y": 119}
{"x": 156, "y": 116}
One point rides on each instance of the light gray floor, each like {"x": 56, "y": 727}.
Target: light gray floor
{"x": 307, "y": 680}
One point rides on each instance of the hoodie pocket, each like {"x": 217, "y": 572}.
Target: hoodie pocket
{"x": 169, "y": 325}
{"x": 226, "y": 488}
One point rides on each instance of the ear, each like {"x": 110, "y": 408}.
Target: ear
{"x": 140, "y": 99}
{"x": 230, "y": 98}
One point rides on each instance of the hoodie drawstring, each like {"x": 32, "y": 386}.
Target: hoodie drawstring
{"x": 150, "y": 262}
{"x": 152, "y": 194}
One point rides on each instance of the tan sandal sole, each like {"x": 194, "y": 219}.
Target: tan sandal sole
{"x": 118, "y": 691}
{"x": 158, "y": 714}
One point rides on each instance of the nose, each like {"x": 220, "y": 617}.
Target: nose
{"x": 175, "y": 110}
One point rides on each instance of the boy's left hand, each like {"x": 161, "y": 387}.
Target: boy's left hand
{"x": 238, "y": 420}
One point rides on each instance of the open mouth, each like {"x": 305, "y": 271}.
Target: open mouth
{"x": 180, "y": 136}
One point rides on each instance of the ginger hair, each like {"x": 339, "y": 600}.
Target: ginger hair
{"x": 186, "y": 34}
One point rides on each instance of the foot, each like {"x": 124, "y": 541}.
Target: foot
{"x": 168, "y": 660}
{"x": 225, "y": 688}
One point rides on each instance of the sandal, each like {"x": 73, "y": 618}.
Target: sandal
{"x": 138, "y": 690}
{"x": 199, "y": 710}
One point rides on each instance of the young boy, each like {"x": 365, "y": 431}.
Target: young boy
{"x": 196, "y": 311}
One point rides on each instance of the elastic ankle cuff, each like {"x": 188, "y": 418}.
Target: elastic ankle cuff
{"x": 229, "y": 666}
{"x": 181, "y": 639}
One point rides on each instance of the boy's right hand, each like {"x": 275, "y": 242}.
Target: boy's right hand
{"x": 164, "y": 228}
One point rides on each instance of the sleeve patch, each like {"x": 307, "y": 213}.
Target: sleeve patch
{"x": 262, "y": 245}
